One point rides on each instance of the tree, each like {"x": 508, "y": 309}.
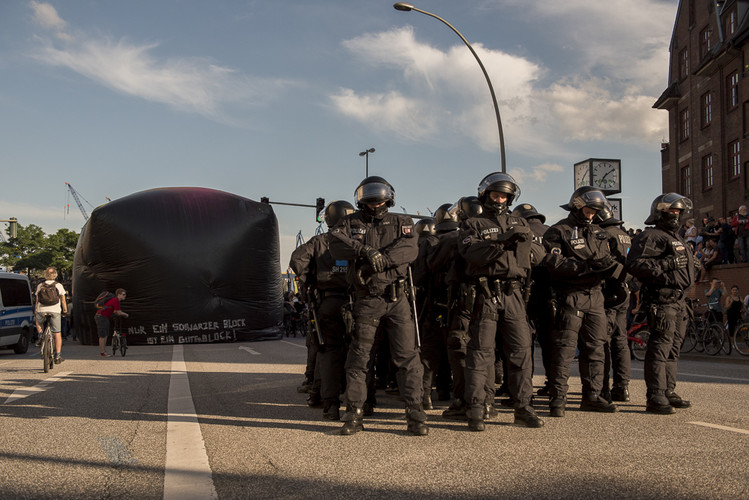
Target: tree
{"x": 32, "y": 250}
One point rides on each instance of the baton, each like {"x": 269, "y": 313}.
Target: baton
{"x": 413, "y": 305}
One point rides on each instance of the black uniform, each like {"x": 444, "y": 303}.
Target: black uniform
{"x": 325, "y": 281}
{"x": 429, "y": 327}
{"x": 662, "y": 295}
{"x": 572, "y": 249}
{"x": 616, "y": 290}
{"x": 538, "y": 304}
{"x": 499, "y": 265}
{"x": 380, "y": 297}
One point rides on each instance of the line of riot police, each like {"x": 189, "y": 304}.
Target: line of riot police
{"x": 460, "y": 299}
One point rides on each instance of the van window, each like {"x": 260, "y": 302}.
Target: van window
{"x": 15, "y": 292}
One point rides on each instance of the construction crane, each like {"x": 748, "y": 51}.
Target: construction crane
{"x": 77, "y": 199}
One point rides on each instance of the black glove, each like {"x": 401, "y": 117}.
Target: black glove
{"x": 602, "y": 263}
{"x": 375, "y": 258}
{"x": 674, "y": 262}
{"x": 515, "y": 233}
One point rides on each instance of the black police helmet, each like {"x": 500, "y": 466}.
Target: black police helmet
{"x": 424, "y": 227}
{"x": 374, "y": 189}
{"x": 500, "y": 182}
{"x": 662, "y": 204}
{"x": 605, "y": 217}
{"x": 527, "y": 212}
{"x": 445, "y": 218}
{"x": 586, "y": 196}
{"x": 469, "y": 206}
{"x": 335, "y": 211}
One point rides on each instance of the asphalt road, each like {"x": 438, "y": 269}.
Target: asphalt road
{"x": 225, "y": 421}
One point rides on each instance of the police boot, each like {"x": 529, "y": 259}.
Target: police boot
{"x": 456, "y": 410}
{"x": 545, "y": 390}
{"x": 620, "y": 393}
{"x": 593, "y": 402}
{"x": 314, "y": 400}
{"x": 475, "y": 416}
{"x": 426, "y": 400}
{"x": 527, "y": 417}
{"x": 305, "y": 386}
{"x": 557, "y": 406}
{"x": 416, "y": 419}
{"x": 490, "y": 411}
{"x": 659, "y": 405}
{"x": 331, "y": 410}
{"x": 606, "y": 394}
{"x": 676, "y": 401}
{"x": 368, "y": 409}
{"x": 352, "y": 421}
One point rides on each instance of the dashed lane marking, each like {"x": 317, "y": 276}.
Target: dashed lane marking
{"x": 720, "y": 427}
{"x": 292, "y": 343}
{"x": 249, "y": 349}
{"x": 187, "y": 472}
{"x": 42, "y": 386}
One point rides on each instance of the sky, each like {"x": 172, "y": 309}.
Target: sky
{"x": 278, "y": 98}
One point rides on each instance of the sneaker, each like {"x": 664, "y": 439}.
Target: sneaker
{"x": 105, "y": 355}
{"x": 59, "y": 359}
{"x": 38, "y": 341}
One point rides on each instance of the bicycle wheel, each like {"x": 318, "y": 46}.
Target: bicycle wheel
{"x": 713, "y": 339}
{"x": 741, "y": 339}
{"x": 640, "y": 344}
{"x": 700, "y": 329}
{"x": 123, "y": 346}
{"x": 47, "y": 351}
{"x": 690, "y": 338}
{"x": 727, "y": 344}
{"x": 115, "y": 344}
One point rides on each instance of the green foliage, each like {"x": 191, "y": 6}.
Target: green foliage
{"x": 33, "y": 251}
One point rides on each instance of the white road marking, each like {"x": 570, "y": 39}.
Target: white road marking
{"x": 42, "y": 386}
{"x": 249, "y": 349}
{"x": 296, "y": 345}
{"x": 187, "y": 472}
{"x": 720, "y": 427}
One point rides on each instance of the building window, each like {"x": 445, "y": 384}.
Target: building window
{"x": 686, "y": 181}
{"x": 732, "y": 82}
{"x": 705, "y": 36}
{"x": 708, "y": 178}
{"x": 734, "y": 159}
{"x": 684, "y": 124}
{"x": 731, "y": 23}
{"x": 683, "y": 64}
{"x": 707, "y": 109}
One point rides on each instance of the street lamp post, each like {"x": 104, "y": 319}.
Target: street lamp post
{"x": 365, "y": 153}
{"x": 408, "y": 7}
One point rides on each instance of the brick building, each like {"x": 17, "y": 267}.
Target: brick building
{"x": 707, "y": 100}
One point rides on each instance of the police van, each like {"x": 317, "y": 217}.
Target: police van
{"x": 16, "y": 312}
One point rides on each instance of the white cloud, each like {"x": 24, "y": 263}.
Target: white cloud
{"x": 189, "y": 84}
{"x": 46, "y": 15}
{"x": 622, "y": 57}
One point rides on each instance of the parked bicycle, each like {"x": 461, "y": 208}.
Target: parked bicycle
{"x": 703, "y": 333}
{"x": 47, "y": 344}
{"x": 741, "y": 339}
{"x": 119, "y": 338}
{"x": 638, "y": 336}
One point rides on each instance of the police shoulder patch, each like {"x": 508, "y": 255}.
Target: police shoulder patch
{"x": 556, "y": 251}
{"x": 407, "y": 229}
{"x": 467, "y": 240}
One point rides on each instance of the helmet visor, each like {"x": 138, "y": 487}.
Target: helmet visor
{"x": 373, "y": 192}
{"x": 501, "y": 182}
{"x": 593, "y": 199}
{"x": 674, "y": 200}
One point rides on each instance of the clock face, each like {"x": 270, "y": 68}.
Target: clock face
{"x": 582, "y": 174}
{"x": 606, "y": 175}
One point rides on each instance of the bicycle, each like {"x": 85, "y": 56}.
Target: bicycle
{"x": 119, "y": 341}
{"x": 47, "y": 344}
{"x": 638, "y": 335}
{"x": 701, "y": 334}
{"x": 741, "y": 339}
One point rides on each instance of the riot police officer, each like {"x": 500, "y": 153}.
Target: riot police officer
{"x": 499, "y": 251}
{"x": 616, "y": 303}
{"x": 540, "y": 295}
{"x": 666, "y": 267}
{"x": 324, "y": 283}
{"x": 379, "y": 247}
{"x": 578, "y": 259}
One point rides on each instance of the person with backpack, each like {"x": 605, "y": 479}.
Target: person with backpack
{"x": 107, "y": 305}
{"x": 50, "y": 302}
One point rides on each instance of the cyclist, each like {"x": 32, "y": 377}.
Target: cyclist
{"x": 103, "y": 315}
{"x": 50, "y": 302}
